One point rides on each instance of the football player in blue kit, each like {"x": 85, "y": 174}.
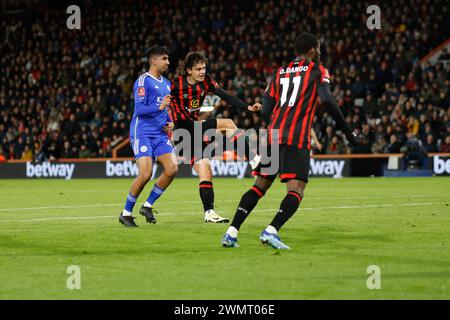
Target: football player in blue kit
{"x": 149, "y": 139}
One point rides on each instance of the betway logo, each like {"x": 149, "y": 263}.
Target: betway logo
{"x": 441, "y": 166}
{"x": 121, "y": 169}
{"x": 227, "y": 169}
{"x": 332, "y": 168}
{"x": 50, "y": 170}
{"x": 210, "y": 101}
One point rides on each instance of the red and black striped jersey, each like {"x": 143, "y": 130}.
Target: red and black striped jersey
{"x": 187, "y": 99}
{"x": 294, "y": 88}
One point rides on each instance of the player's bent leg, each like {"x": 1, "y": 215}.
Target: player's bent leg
{"x": 206, "y": 190}
{"x": 203, "y": 169}
{"x": 228, "y": 127}
{"x": 163, "y": 151}
{"x": 145, "y": 165}
{"x": 296, "y": 185}
{"x": 170, "y": 169}
{"x": 264, "y": 183}
{"x": 288, "y": 207}
{"x": 248, "y": 202}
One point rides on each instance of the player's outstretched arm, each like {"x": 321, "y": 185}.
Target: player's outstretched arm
{"x": 235, "y": 101}
{"x": 268, "y": 104}
{"x": 326, "y": 97}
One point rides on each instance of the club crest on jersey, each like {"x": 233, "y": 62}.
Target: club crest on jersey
{"x": 195, "y": 104}
{"x": 141, "y": 92}
{"x": 144, "y": 149}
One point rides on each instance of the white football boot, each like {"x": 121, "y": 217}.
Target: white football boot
{"x": 213, "y": 217}
{"x": 255, "y": 162}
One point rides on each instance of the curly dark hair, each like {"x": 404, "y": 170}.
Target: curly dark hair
{"x": 191, "y": 59}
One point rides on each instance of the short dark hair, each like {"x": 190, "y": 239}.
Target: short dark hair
{"x": 155, "y": 51}
{"x": 192, "y": 58}
{"x": 305, "y": 42}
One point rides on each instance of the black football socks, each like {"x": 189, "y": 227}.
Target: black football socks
{"x": 247, "y": 204}
{"x": 207, "y": 194}
{"x": 288, "y": 207}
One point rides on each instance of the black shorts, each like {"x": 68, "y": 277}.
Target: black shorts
{"x": 293, "y": 164}
{"x": 196, "y": 147}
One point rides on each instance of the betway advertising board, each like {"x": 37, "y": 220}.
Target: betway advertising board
{"x": 335, "y": 168}
{"x": 441, "y": 166}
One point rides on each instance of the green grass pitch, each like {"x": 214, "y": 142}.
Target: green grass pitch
{"x": 344, "y": 226}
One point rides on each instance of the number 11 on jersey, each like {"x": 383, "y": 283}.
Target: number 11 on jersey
{"x": 285, "y": 82}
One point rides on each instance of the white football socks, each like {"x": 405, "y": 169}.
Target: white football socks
{"x": 232, "y": 231}
{"x": 147, "y": 204}
{"x": 271, "y": 229}
{"x": 126, "y": 213}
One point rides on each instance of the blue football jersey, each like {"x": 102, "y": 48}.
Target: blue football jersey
{"x": 148, "y": 120}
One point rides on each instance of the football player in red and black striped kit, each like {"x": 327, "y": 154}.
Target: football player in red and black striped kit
{"x": 188, "y": 93}
{"x": 289, "y": 104}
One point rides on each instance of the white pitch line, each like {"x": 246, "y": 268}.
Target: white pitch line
{"x": 219, "y": 201}
{"x": 62, "y": 218}
{"x": 408, "y": 204}
{"x": 257, "y": 210}
{"x": 62, "y": 207}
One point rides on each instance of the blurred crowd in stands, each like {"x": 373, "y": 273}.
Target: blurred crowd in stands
{"x": 68, "y": 93}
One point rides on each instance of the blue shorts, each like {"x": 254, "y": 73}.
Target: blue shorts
{"x": 151, "y": 147}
